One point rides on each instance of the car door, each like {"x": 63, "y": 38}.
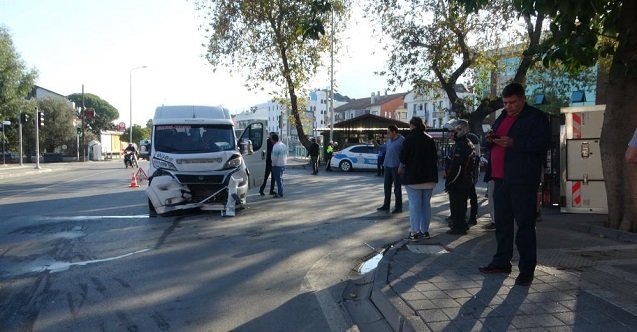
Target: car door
{"x": 371, "y": 157}
{"x": 253, "y": 146}
{"x": 356, "y": 155}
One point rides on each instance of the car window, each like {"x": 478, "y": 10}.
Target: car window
{"x": 359, "y": 149}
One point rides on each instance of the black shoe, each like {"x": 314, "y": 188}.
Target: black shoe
{"x": 425, "y": 235}
{"x": 261, "y": 193}
{"x": 491, "y": 269}
{"x": 383, "y": 208}
{"x": 397, "y": 210}
{"x": 272, "y": 193}
{"x": 524, "y": 280}
{"x": 414, "y": 236}
{"x": 490, "y": 226}
{"x": 472, "y": 222}
{"x": 457, "y": 232}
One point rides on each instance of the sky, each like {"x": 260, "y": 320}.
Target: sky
{"x": 98, "y": 44}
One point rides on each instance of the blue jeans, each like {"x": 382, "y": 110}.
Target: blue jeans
{"x": 419, "y": 209}
{"x": 277, "y": 174}
{"x": 515, "y": 203}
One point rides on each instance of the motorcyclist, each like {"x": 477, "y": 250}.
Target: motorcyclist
{"x": 130, "y": 154}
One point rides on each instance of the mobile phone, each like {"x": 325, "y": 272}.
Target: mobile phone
{"x": 495, "y": 136}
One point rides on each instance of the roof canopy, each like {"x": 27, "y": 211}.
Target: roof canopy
{"x": 370, "y": 121}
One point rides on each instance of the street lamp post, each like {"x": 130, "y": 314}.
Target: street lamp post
{"x": 130, "y": 86}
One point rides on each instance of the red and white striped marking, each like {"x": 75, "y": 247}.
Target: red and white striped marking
{"x": 577, "y": 125}
{"x": 576, "y": 191}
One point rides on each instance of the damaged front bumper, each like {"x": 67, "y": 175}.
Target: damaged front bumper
{"x": 217, "y": 191}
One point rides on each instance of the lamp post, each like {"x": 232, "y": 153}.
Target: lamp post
{"x": 130, "y": 86}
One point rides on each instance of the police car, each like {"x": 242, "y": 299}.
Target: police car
{"x": 355, "y": 157}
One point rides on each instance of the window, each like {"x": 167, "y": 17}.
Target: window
{"x": 182, "y": 139}
{"x": 255, "y": 134}
{"x": 578, "y": 96}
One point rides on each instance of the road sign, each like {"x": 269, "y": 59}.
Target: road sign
{"x": 121, "y": 126}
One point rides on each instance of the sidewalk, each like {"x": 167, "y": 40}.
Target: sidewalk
{"x": 586, "y": 280}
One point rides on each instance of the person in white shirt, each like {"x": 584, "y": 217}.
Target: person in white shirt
{"x": 279, "y": 159}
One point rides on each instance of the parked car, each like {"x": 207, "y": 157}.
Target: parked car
{"x": 355, "y": 157}
{"x": 144, "y": 149}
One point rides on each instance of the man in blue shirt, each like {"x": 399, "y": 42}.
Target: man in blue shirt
{"x": 391, "y": 163}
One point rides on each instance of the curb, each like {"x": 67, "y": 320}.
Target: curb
{"x": 396, "y": 311}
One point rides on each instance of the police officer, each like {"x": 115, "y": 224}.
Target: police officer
{"x": 459, "y": 176}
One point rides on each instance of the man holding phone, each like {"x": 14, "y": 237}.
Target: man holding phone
{"x": 519, "y": 141}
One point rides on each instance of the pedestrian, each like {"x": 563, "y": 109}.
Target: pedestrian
{"x": 518, "y": 141}
{"x": 268, "y": 167}
{"x": 380, "y": 170}
{"x": 459, "y": 176}
{"x": 473, "y": 196}
{"x": 631, "y": 151}
{"x": 279, "y": 160}
{"x": 313, "y": 153}
{"x": 329, "y": 151}
{"x": 419, "y": 171}
{"x": 391, "y": 163}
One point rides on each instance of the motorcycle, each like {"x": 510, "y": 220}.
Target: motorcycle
{"x": 130, "y": 159}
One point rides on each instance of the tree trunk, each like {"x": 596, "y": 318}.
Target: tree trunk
{"x": 620, "y": 121}
{"x": 476, "y": 118}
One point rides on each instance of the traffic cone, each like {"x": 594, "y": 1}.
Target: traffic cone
{"x": 133, "y": 182}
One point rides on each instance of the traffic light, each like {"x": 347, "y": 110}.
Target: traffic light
{"x": 40, "y": 119}
{"x": 78, "y": 131}
{"x": 24, "y": 118}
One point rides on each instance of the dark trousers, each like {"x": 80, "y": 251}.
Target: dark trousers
{"x": 268, "y": 170}
{"x": 328, "y": 160}
{"x": 458, "y": 196}
{"x": 515, "y": 203}
{"x": 379, "y": 166}
{"x": 473, "y": 202}
{"x": 314, "y": 162}
{"x": 391, "y": 177}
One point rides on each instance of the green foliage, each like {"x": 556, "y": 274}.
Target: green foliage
{"x": 277, "y": 43}
{"x": 105, "y": 113}
{"x": 16, "y": 82}
{"x": 433, "y": 43}
{"x": 139, "y": 134}
{"x": 59, "y": 128}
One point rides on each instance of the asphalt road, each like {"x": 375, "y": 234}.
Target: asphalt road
{"x": 78, "y": 252}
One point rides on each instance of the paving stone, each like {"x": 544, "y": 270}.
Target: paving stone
{"x": 422, "y": 304}
{"x": 568, "y": 318}
{"x": 524, "y": 321}
{"x": 433, "y": 315}
{"x": 445, "y": 303}
{"x": 547, "y": 320}
{"x": 437, "y": 294}
{"x": 409, "y": 296}
{"x": 533, "y": 309}
{"x": 498, "y": 323}
{"x": 443, "y": 326}
{"x": 424, "y": 286}
{"x": 458, "y": 293}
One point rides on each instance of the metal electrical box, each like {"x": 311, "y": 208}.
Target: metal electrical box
{"x": 583, "y": 189}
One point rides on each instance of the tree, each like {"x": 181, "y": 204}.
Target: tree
{"x": 16, "y": 83}
{"x": 139, "y": 133}
{"x": 105, "y": 113}
{"x": 434, "y": 43}
{"x": 275, "y": 42}
{"x": 58, "y": 118}
{"x": 580, "y": 31}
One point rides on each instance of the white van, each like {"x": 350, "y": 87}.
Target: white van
{"x": 197, "y": 162}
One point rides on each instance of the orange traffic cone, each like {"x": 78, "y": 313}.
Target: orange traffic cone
{"x": 133, "y": 182}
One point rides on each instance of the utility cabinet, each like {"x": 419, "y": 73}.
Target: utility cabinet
{"x": 583, "y": 189}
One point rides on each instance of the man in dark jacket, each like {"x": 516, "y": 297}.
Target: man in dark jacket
{"x": 268, "y": 168}
{"x": 519, "y": 141}
{"x": 459, "y": 176}
{"x": 313, "y": 153}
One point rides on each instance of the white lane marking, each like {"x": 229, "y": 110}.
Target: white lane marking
{"x": 83, "y": 218}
